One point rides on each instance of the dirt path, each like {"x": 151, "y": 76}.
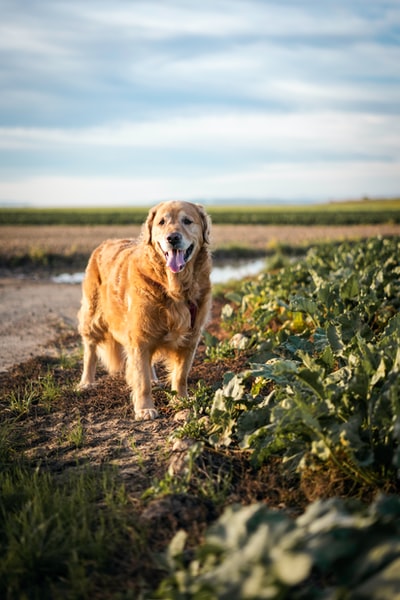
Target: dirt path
{"x": 33, "y": 314}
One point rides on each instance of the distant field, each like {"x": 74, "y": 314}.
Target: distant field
{"x": 335, "y": 213}
{"x": 69, "y": 246}
{"x": 356, "y": 212}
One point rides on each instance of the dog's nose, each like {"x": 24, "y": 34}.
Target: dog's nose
{"x": 174, "y": 238}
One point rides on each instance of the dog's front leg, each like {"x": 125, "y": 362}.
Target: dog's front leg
{"x": 138, "y": 377}
{"x": 180, "y": 362}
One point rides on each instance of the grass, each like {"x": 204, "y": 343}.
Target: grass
{"x": 58, "y": 537}
{"x": 22, "y": 398}
{"x": 45, "y": 389}
{"x": 61, "y": 533}
{"x": 76, "y": 435}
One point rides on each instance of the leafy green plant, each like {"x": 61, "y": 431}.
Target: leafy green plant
{"x": 334, "y": 550}
{"x": 177, "y": 481}
{"x": 216, "y": 350}
{"x": 324, "y": 384}
{"x": 197, "y": 409}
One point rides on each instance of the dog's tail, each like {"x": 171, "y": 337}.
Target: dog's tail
{"x": 111, "y": 354}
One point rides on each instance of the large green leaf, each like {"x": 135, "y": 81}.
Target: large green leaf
{"x": 252, "y": 552}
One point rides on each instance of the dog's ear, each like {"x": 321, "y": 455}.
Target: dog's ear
{"x": 148, "y": 225}
{"x": 206, "y": 221}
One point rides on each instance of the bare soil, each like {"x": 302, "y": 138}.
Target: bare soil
{"x": 33, "y": 315}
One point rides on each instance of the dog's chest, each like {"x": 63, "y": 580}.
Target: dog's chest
{"x": 179, "y": 322}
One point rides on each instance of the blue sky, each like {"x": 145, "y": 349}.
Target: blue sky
{"x": 132, "y": 102}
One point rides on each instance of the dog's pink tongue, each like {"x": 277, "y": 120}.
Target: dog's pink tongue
{"x": 175, "y": 260}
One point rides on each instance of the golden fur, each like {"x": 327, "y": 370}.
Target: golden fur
{"x": 148, "y": 300}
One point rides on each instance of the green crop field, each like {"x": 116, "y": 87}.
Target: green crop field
{"x": 334, "y": 213}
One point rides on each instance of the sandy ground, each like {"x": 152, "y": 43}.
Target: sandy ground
{"x": 33, "y": 313}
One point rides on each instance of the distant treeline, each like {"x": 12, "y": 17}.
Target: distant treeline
{"x": 365, "y": 212}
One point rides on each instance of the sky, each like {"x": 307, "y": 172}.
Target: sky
{"x": 134, "y": 102}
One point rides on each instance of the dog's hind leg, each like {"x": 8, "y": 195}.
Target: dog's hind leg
{"x": 154, "y": 377}
{"x": 89, "y": 364}
{"x": 111, "y": 354}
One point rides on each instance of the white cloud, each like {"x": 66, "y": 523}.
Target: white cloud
{"x": 221, "y": 18}
{"x": 317, "y": 95}
{"x": 22, "y": 38}
{"x": 165, "y": 20}
{"x": 325, "y": 131}
{"x": 313, "y": 181}
{"x": 291, "y": 75}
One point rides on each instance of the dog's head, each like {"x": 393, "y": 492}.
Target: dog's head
{"x": 177, "y": 230}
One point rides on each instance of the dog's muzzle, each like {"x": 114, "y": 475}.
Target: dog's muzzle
{"x": 176, "y": 256}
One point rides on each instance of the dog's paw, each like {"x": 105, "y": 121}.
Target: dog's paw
{"x": 146, "y": 414}
{"x": 82, "y": 386}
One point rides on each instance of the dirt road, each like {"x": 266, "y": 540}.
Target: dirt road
{"x": 32, "y": 315}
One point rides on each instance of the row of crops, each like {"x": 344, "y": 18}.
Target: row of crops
{"x": 343, "y": 213}
{"x": 322, "y": 392}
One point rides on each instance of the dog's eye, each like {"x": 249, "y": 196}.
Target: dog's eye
{"x": 161, "y": 222}
{"x": 187, "y": 221}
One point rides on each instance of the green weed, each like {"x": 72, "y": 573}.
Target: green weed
{"x": 75, "y": 435}
{"x": 21, "y": 399}
{"x": 49, "y": 389}
{"x": 70, "y": 360}
{"x": 139, "y": 454}
{"x": 39, "y": 256}
{"x": 45, "y": 391}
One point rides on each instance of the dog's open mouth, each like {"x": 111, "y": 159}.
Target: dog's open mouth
{"x": 177, "y": 259}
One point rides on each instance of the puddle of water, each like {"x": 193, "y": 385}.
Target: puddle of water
{"x": 68, "y": 278}
{"x": 237, "y": 270}
{"x": 220, "y": 274}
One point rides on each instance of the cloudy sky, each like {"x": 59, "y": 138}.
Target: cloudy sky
{"x": 132, "y": 102}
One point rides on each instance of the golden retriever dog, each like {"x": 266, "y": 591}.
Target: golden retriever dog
{"x": 147, "y": 300}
